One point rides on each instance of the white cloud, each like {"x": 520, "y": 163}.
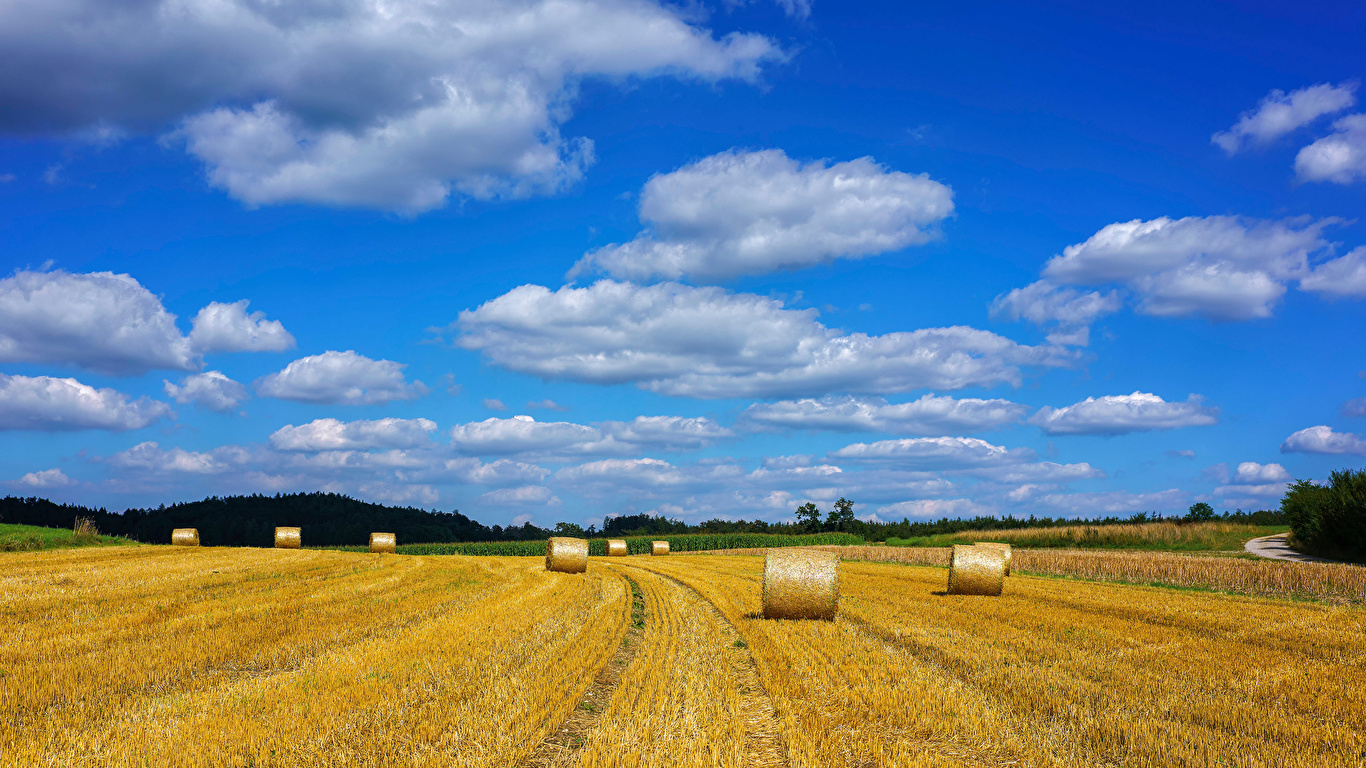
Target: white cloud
{"x": 930, "y": 415}
{"x": 1354, "y": 408}
{"x": 494, "y": 404}
{"x": 1122, "y": 414}
{"x": 1220, "y": 267}
{"x": 525, "y": 435}
{"x": 1280, "y": 113}
{"x": 1340, "y": 277}
{"x": 1323, "y": 439}
{"x": 1250, "y": 472}
{"x": 750, "y": 213}
{"x": 1183, "y": 453}
{"x": 48, "y": 404}
{"x": 1113, "y": 502}
{"x": 934, "y": 453}
{"x": 228, "y": 328}
{"x": 1037, "y": 472}
{"x": 520, "y": 434}
{"x": 211, "y": 389}
{"x": 47, "y": 479}
{"x": 1069, "y": 312}
{"x": 150, "y": 457}
{"x": 709, "y": 343}
{"x": 548, "y": 405}
{"x": 1339, "y": 157}
{"x": 393, "y": 105}
{"x": 527, "y": 494}
{"x": 929, "y": 509}
{"x": 341, "y": 378}
{"x": 334, "y": 435}
{"x": 101, "y": 321}
{"x": 1245, "y": 491}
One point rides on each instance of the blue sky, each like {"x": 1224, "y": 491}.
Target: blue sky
{"x": 556, "y": 261}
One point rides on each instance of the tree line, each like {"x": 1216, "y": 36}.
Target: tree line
{"x": 331, "y": 519}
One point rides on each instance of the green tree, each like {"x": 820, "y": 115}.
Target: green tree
{"x": 809, "y": 517}
{"x": 568, "y": 529}
{"x": 1199, "y": 512}
{"x": 841, "y": 518}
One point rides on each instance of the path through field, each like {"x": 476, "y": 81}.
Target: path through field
{"x": 158, "y": 656}
{"x": 1275, "y": 548}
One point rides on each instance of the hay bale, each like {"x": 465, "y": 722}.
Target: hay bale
{"x": 801, "y": 584}
{"x": 383, "y": 542}
{"x": 976, "y": 570}
{"x": 185, "y": 537}
{"x": 566, "y": 555}
{"x": 998, "y": 545}
{"x": 658, "y": 548}
{"x": 616, "y": 548}
{"x": 288, "y": 538}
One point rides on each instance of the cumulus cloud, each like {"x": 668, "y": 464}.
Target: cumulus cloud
{"x": 1068, "y": 312}
{"x": 527, "y": 494}
{"x": 1323, "y": 439}
{"x": 1112, "y": 502}
{"x": 150, "y": 457}
{"x": 45, "y": 480}
{"x": 934, "y": 453}
{"x": 101, "y": 321}
{"x": 341, "y": 378}
{"x": 525, "y": 435}
{"x": 48, "y": 404}
{"x": 1220, "y": 267}
{"x": 211, "y": 389}
{"x": 1122, "y": 414}
{"x": 228, "y": 328}
{"x": 392, "y": 105}
{"x": 709, "y": 343}
{"x": 1341, "y": 277}
{"x": 929, "y": 509}
{"x": 930, "y": 415}
{"x": 750, "y": 213}
{"x": 334, "y": 435}
{"x": 1250, "y": 472}
{"x": 1280, "y": 113}
{"x": 1339, "y": 157}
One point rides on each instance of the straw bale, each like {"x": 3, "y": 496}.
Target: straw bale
{"x": 288, "y": 538}
{"x": 801, "y": 584}
{"x": 383, "y": 542}
{"x": 658, "y": 548}
{"x": 998, "y": 545}
{"x": 616, "y": 548}
{"x": 976, "y": 570}
{"x": 185, "y": 537}
{"x": 566, "y": 555}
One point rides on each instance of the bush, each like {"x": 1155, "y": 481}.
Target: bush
{"x": 1329, "y": 521}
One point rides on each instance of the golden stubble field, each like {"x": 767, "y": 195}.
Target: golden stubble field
{"x": 155, "y": 656}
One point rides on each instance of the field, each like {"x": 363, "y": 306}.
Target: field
{"x": 1165, "y": 536}
{"x": 19, "y": 538}
{"x": 159, "y": 656}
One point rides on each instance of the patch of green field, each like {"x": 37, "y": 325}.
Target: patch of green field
{"x": 1162, "y": 536}
{"x": 19, "y": 538}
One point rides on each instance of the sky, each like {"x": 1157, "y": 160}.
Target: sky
{"x": 557, "y": 260}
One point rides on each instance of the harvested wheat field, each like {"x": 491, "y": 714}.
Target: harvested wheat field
{"x": 173, "y": 656}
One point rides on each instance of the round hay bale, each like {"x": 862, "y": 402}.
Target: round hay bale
{"x": 616, "y": 548}
{"x": 801, "y": 584}
{"x": 998, "y": 545}
{"x": 383, "y": 542}
{"x": 976, "y": 570}
{"x": 658, "y": 548}
{"x": 288, "y": 538}
{"x": 185, "y": 537}
{"x": 566, "y": 555}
